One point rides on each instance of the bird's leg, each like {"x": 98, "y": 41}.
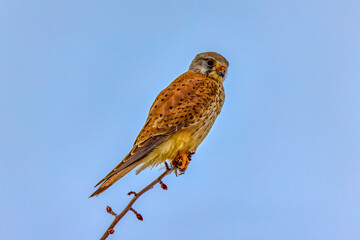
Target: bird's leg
{"x": 182, "y": 161}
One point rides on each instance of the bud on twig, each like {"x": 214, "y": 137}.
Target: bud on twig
{"x": 132, "y": 192}
{"x": 163, "y": 185}
{"x": 138, "y": 215}
{"x": 108, "y": 209}
{"x": 111, "y": 231}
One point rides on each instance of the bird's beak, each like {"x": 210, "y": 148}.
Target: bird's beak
{"x": 221, "y": 70}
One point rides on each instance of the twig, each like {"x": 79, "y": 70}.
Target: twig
{"x": 110, "y": 229}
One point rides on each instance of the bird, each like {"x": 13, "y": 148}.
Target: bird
{"x": 178, "y": 121}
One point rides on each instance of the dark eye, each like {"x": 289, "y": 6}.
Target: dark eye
{"x": 210, "y": 62}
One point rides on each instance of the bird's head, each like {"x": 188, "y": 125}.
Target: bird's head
{"x": 210, "y": 64}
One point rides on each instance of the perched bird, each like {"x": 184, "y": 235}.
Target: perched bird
{"x": 179, "y": 119}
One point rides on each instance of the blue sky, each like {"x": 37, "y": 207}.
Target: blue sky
{"x": 282, "y": 161}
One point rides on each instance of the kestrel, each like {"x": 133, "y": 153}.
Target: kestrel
{"x": 179, "y": 119}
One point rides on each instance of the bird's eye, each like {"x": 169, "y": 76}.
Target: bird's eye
{"x": 210, "y": 62}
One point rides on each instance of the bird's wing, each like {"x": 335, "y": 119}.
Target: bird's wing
{"x": 178, "y": 106}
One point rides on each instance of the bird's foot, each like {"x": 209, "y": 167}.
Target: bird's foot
{"x": 181, "y": 162}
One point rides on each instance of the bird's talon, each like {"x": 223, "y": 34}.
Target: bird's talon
{"x": 190, "y": 155}
{"x": 166, "y": 165}
{"x": 181, "y": 162}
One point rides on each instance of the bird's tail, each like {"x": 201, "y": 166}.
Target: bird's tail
{"x": 107, "y": 182}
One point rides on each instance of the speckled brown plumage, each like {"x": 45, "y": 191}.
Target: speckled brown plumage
{"x": 187, "y": 99}
{"x": 179, "y": 119}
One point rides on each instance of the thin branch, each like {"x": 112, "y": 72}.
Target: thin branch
{"x": 118, "y": 217}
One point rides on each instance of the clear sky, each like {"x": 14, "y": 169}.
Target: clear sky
{"x": 282, "y": 161}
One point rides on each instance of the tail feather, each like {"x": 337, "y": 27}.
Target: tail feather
{"x": 132, "y": 160}
{"x": 107, "y": 182}
{"x": 113, "y": 172}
